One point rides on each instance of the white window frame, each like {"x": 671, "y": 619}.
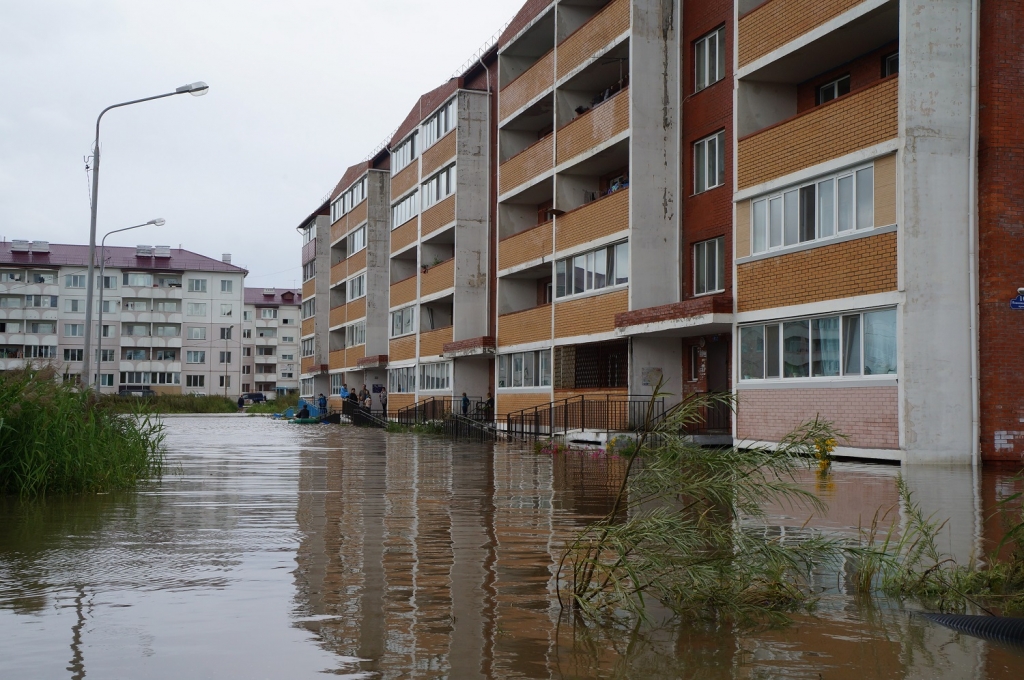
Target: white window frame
{"x": 356, "y": 287}
{"x": 436, "y": 377}
{"x": 227, "y": 286}
{"x": 819, "y": 91}
{"x": 197, "y": 285}
{"x": 440, "y": 123}
{"x": 709, "y": 159}
{"x": 197, "y": 309}
{"x": 357, "y": 241}
{"x": 524, "y": 370}
{"x": 402, "y": 380}
{"x": 227, "y": 310}
{"x": 407, "y": 319}
{"x": 709, "y": 59}
{"x": 439, "y": 187}
{"x": 405, "y": 210}
{"x": 195, "y": 357}
{"x": 710, "y": 254}
{"x": 404, "y": 154}
{"x": 614, "y": 256}
{"x": 355, "y": 334}
{"x": 74, "y": 281}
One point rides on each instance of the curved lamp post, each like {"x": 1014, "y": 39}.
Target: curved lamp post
{"x": 197, "y": 89}
{"x": 158, "y": 222}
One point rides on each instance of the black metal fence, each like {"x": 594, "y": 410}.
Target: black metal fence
{"x": 596, "y": 414}
{"x": 439, "y": 408}
{"x": 360, "y": 416}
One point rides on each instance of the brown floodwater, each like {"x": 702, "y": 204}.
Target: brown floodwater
{"x": 279, "y": 551}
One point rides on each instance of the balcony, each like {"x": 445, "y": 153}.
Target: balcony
{"x": 537, "y": 80}
{"x": 402, "y": 348}
{"x": 357, "y": 262}
{"x": 432, "y": 342}
{"x": 309, "y": 289}
{"x": 404, "y": 235}
{"x": 526, "y": 165}
{"x": 778, "y": 22}
{"x": 356, "y": 309}
{"x": 593, "y": 37}
{"x": 438, "y": 278}
{"x": 595, "y": 127}
{"x": 338, "y": 318}
{"x": 858, "y": 120}
{"x": 405, "y": 180}
{"x": 308, "y": 327}
{"x": 309, "y": 365}
{"x": 438, "y": 216}
{"x": 531, "y": 325}
{"x": 403, "y": 291}
{"x": 353, "y": 355}
{"x": 526, "y": 246}
{"x": 339, "y": 272}
{"x": 337, "y": 360}
{"x": 603, "y": 217}
{"x": 440, "y": 153}
{"x": 589, "y": 315}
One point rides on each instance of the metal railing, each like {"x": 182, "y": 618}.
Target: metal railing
{"x": 435, "y": 409}
{"x": 607, "y": 414}
{"x": 360, "y": 416}
{"x": 712, "y": 419}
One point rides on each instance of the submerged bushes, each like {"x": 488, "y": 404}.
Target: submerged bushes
{"x": 168, "y": 403}
{"x": 55, "y": 440}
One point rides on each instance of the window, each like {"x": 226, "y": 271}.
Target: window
{"x": 135, "y": 355}
{"x": 9, "y": 326}
{"x": 166, "y": 306}
{"x": 287, "y": 338}
{"x": 74, "y": 330}
{"x": 195, "y": 381}
{"x": 287, "y": 374}
{"x": 402, "y": 380}
{"x": 166, "y": 355}
{"x": 109, "y": 282}
{"x": 135, "y": 306}
{"x": 247, "y": 351}
{"x": 74, "y": 306}
{"x": 268, "y": 313}
{"x": 836, "y": 88}
{"x": 287, "y": 321}
{"x": 42, "y": 328}
{"x": 265, "y": 351}
{"x": 355, "y": 335}
{"x": 525, "y": 369}
{"x": 226, "y": 285}
{"x": 309, "y": 308}
{"x": 74, "y": 281}
{"x": 108, "y": 306}
{"x": 403, "y": 155}
{"x": 107, "y": 380}
{"x": 348, "y": 200}
{"x": 308, "y": 270}
{"x": 225, "y": 357}
{"x": 40, "y": 352}
{"x": 439, "y": 187}
{"x": 12, "y": 277}
{"x": 821, "y": 209}
{"x": 306, "y": 387}
{"x": 168, "y": 281}
{"x": 42, "y": 301}
{"x": 166, "y": 331}
{"x": 225, "y": 381}
{"x": 287, "y": 357}
{"x": 247, "y": 334}
{"x": 74, "y": 355}
{"x": 356, "y": 287}
{"x": 225, "y": 333}
{"x": 832, "y": 346}
{"x": 266, "y": 332}
{"x": 709, "y": 59}
{"x": 308, "y": 347}
{"x": 137, "y": 280}
{"x": 226, "y": 310}
{"x": 197, "y": 333}
{"x": 108, "y": 331}
{"x": 108, "y": 356}
{"x": 356, "y": 240}
{"x": 709, "y": 163}
{"x": 246, "y": 316}
{"x": 196, "y": 309}
{"x": 405, "y": 210}
{"x": 197, "y": 285}
{"x": 135, "y": 378}
{"x": 891, "y": 65}
{"x": 709, "y": 266}
{"x": 435, "y": 377}
{"x": 135, "y": 330}
{"x": 246, "y": 370}
{"x": 42, "y": 277}
{"x": 402, "y": 322}
{"x": 440, "y": 124}
{"x": 594, "y": 270}
{"x": 10, "y": 302}
{"x": 195, "y": 357}
{"x": 309, "y": 233}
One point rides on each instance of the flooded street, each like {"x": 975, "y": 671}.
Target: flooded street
{"x": 279, "y": 551}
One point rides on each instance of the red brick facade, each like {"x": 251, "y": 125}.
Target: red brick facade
{"x": 1001, "y": 234}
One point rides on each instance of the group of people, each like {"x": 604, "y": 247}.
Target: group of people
{"x": 363, "y": 398}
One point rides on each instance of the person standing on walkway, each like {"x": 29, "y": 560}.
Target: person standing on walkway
{"x": 384, "y": 400}
{"x": 489, "y": 407}
{"x": 465, "y": 405}
{"x": 241, "y": 403}
{"x": 322, "y": 403}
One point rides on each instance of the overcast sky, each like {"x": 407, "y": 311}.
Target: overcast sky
{"x": 299, "y": 90}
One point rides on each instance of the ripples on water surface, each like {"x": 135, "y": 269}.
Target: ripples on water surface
{"x": 280, "y": 551}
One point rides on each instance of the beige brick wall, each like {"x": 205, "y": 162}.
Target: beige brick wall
{"x": 528, "y": 164}
{"x": 309, "y": 365}
{"x": 397, "y": 402}
{"x": 856, "y": 121}
{"x": 405, "y": 180}
{"x": 338, "y": 316}
{"x": 595, "y": 126}
{"x": 308, "y": 327}
{"x": 777, "y": 22}
{"x": 859, "y": 267}
{"x": 603, "y": 27}
{"x": 402, "y": 348}
{"x": 885, "y": 191}
{"x": 743, "y": 229}
{"x": 308, "y": 289}
{"x": 357, "y": 215}
{"x": 339, "y": 272}
{"x": 516, "y": 401}
{"x": 403, "y": 291}
{"x": 869, "y": 416}
{"x": 356, "y": 309}
{"x": 539, "y": 77}
{"x": 589, "y": 315}
{"x": 438, "y": 216}
{"x": 432, "y": 343}
{"x": 339, "y": 229}
{"x": 441, "y": 277}
{"x": 357, "y": 262}
{"x": 337, "y": 360}
{"x": 353, "y": 355}
{"x": 439, "y": 154}
{"x": 525, "y": 246}
{"x": 531, "y": 325}
{"x": 404, "y": 235}
{"x": 608, "y": 215}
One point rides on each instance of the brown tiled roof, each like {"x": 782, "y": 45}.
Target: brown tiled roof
{"x": 118, "y": 257}
{"x": 258, "y": 296}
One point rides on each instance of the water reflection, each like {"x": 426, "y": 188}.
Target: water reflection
{"x": 282, "y": 551}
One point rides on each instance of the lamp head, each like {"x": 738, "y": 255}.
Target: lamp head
{"x": 158, "y": 222}
{"x": 197, "y": 89}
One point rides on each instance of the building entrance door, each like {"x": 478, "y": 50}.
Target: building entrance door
{"x": 718, "y": 382}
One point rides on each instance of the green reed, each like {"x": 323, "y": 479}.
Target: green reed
{"x": 54, "y": 439}
{"x": 168, "y": 403}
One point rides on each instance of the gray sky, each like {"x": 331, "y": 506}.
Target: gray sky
{"x": 299, "y": 90}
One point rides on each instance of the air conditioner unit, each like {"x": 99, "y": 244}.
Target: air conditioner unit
{"x": 143, "y": 251}
{"x": 269, "y": 291}
{"x": 41, "y": 247}
{"x": 162, "y": 251}
{"x": 19, "y": 246}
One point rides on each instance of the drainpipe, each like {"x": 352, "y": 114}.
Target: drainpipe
{"x": 972, "y": 223}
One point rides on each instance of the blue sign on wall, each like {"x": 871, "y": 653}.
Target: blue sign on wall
{"x": 1017, "y": 303}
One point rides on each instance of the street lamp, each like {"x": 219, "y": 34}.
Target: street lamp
{"x": 197, "y": 89}
{"x": 158, "y": 222}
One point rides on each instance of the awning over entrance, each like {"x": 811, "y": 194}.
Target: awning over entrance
{"x": 708, "y": 315}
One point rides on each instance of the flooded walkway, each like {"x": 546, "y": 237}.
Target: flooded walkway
{"x": 277, "y": 551}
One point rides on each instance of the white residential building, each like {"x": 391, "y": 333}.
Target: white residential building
{"x": 270, "y": 340}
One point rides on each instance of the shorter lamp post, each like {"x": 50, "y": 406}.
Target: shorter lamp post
{"x": 159, "y": 222}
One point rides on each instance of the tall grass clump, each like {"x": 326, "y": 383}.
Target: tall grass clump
{"x": 687, "y": 530}
{"x": 55, "y": 440}
{"x": 279, "y": 405}
{"x": 168, "y": 403}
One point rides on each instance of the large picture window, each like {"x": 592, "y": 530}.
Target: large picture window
{"x": 343, "y": 205}
{"x": 402, "y": 380}
{"x": 439, "y": 187}
{"x": 405, "y": 210}
{"x": 709, "y": 266}
{"x": 438, "y": 125}
{"x": 832, "y": 346}
{"x": 435, "y": 377}
{"x": 593, "y": 270}
{"x": 822, "y": 209}
{"x": 356, "y": 241}
{"x": 709, "y": 59}
{"x": 525, "y": 369}
{"x": 709, "y": 163}
{"x": 355, "y": 334}
{"x": 402, "y": 321}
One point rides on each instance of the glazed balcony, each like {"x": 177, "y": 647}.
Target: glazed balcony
{"x": 537, "y": 80}
{"x": 595, "y": 127}
{"x": 403, "y": 291}
{"x": 606, "y": 216}
{"x": 432, "y": 342}
{"x": 309, "y": 365}
{"x": 526, "y": 246}
{"x": 356, "y": 262}
{"x": 778, "y": 22}
{"x": 439, "y": 154}
{"x": 402, "y": 348}
{"x": 353, "y": 355}
{"x": 527, "y": 164}
{"x": 405, "y": 179}
{"x": 858, "y": 120}
{"x": 438, "y": 278}
{"x": 593, "y": 37}
{"x": 531, "y": 325}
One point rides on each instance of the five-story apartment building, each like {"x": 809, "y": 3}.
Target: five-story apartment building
{"x": 270, "y": 341}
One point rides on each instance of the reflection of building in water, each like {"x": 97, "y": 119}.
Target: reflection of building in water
{"x": 587, "y": 484}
